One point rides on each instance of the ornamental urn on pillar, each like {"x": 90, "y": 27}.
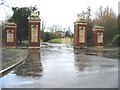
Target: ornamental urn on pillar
{"x": 98, "y": 36}
{"x": 34, "y": 30}
{"x": 10, "y": 34}
{"x": 80, "y": 31}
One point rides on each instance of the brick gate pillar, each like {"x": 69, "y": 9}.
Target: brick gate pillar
{"x": 34, "y": 30}
{"x": 80, "y": 33}
{"x": 98, "y": 36}
{"x": 10, "y": 35}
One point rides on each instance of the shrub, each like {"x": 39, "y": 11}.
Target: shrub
{"x": 46, "y": 36}
{"x": 116, "y": 41}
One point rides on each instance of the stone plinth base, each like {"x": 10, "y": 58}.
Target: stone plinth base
{"x": 99, "y": 46}
{"x": 34, "y": 47}
{"x": 10, "y": 46}
{"x": 80, "y": 47}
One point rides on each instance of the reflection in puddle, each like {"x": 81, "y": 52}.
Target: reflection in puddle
{"x": 107, "y": 66}
{"x": 32, "y": 66}
{"x": 91, "y": 61}
{"x": 80, "y": 62}
{"x": 88, "y": 52}
{"x": 64, "y": 67}
{"x": 113, "y": 54}
{"x": 80, "y": 65}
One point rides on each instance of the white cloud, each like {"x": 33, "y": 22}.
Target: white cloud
{"x": 63, "y": 12}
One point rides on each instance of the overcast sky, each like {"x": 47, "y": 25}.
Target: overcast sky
{"x": 62, "y": 12}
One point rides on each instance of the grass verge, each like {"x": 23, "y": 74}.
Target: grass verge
{"x": 56, "y": 40}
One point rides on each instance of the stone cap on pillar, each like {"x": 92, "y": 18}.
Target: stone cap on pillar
{"x": 97, "y": 28}
{"x": 10, "y": 24}
{"x": 80, "y": 21}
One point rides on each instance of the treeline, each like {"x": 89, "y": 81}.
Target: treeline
{"x": 46, "y": 36}
{"x": 109, "y": 20}
{"x": 105, "y": 17}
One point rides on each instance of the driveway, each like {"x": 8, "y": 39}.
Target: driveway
{"x": 58, "y": 66}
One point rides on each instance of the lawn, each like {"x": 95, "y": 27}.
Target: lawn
{"x": 62, "y": 40}
{"x": 41, "y": 40}
{"x": 56, "y": 40}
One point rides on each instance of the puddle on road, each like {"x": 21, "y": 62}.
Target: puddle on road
{"x": 60, "y": 53}
{"x": 112, "y": 54}
{"x": 32, "y": 66}
{"x": 61, "y": 66}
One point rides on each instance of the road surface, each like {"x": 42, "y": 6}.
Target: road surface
{"x": 63, "y": 67}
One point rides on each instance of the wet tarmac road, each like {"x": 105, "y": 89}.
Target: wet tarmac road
{"x": 63, "y": 67}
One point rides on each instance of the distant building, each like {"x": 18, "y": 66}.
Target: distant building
{"x": 61, "y": 33}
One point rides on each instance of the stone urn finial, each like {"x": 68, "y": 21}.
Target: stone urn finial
{"x": 81, "y": 17}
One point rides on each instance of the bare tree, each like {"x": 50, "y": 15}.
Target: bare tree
{"x": 43, "y": 29}
{"x": 2, "y": 2}
{"x": 88, "y": 13}
{"x": 55, "y": 28}
{"x": 107, "y": 18}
